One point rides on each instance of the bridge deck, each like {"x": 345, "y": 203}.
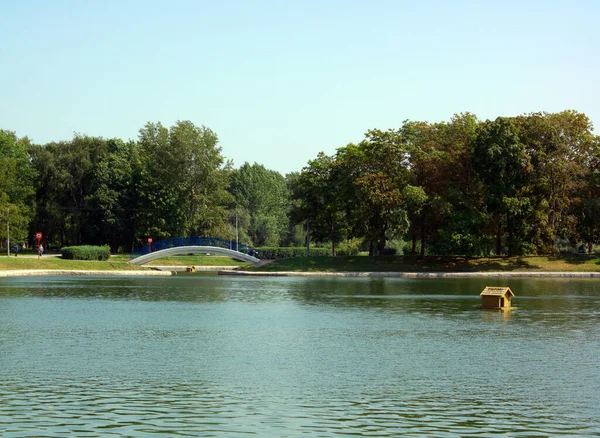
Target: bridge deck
{"x": 182, "y": 250}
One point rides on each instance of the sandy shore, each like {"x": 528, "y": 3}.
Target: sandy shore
{"x": 55, "y": 272}
{"x": 510, "y": 274}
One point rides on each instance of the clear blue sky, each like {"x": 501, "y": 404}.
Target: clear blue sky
{"x": 280, "y": 81}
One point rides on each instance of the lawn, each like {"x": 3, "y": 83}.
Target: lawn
{"x": 188, "y": 260}
{"x": 567, "y": 263}
{"x": 12, "y": 263}
{"x": 118, "y": 262}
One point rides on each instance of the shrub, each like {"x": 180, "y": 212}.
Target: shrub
{"x": 348, "y": 248}
{"x": 270, "y": 253}
{"x": 86, "y": 252}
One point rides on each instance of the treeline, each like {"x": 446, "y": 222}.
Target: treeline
{"x": 464, "y": 187}
{"x": 171, "y": 182}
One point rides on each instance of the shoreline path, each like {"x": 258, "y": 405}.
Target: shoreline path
{"x": 170, "y": 271}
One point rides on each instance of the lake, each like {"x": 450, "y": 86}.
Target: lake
{"x": 284, "y": 357}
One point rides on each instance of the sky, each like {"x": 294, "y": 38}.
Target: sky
{"x": 280, "y": 81}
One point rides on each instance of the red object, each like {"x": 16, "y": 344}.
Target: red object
{"x": 149, "y": 239}
{"x": 38, "y": 236}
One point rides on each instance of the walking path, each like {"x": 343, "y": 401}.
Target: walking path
{"x": 32, "y": 256}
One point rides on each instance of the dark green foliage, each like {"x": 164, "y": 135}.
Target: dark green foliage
{"x": 320, "y": 200}
{"x": 515, "y": 186}
{"x": 348, "y": 248}
{"x": 271, "y": 253}
{"x": 86, "y": 252}
{"x": 261, "y": 196}
{"x": 16, "y": 186}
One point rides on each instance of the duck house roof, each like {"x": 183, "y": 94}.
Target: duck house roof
{"x": 497, "y": 291}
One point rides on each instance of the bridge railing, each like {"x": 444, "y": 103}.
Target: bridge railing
{"x": 194, "y": 241}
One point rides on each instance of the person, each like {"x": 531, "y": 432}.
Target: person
{"x": 16, "y": 249}
{"x": 41, "y": 250}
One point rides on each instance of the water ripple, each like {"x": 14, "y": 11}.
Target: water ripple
{"x": 175, "y": 357}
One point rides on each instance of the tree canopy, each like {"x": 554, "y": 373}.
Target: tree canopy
{"x": 513, "y": 185}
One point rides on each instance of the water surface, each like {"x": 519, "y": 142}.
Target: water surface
{"x": 210, "y": 356}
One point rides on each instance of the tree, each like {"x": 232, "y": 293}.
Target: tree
{"x": 560, "y": 147}
{"x": 263, "y": 194}
{"x": 376, "y": 172}
{"x": 16, "y": 186}
{"x": 182, "y": 182}
{"x": 319, "y": 199}
{"x": 461, "y": 221}
{"x": 425, "y": 196}
{"x": 63, "y": 189}
{"x": 500, "y": 159}
{"x": 111, "y": 196}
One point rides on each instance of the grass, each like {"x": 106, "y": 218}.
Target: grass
{"x": 568, "y": 263}
{"x": 115, "y": 263}
{"x": 188, "y": 260}
{"x": 11, "y": 263}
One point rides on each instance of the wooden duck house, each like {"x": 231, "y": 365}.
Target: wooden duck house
{"x": 497, "y": 298}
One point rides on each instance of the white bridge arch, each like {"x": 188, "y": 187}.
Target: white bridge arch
{"x": 183, "y": 250}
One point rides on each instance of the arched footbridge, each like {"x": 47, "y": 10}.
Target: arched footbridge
{"x": 194, "y": 245}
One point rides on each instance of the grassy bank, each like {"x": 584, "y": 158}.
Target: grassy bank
{"x": 187, "y": 260}
{"x": 569, "y": 263}
{"x": 119, "y": 263}
{"x": 12, "y": 263}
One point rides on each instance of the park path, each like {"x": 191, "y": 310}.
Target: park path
{"x": 32, "y": 256}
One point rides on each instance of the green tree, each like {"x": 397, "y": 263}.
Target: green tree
{"x": 461, "y": 221}
{"x": 560, "y": 147}
{"x": 181, "y": 182}
{"x": 16, "y": 186}
{"x": 111, "y": 200}
{"x": 426, "y": 196}
{"x": 319, "y": 197}
{"x": 66, "y": 172}
{"x": 264, "y": 195}
{"x": 376, "y": 172}
{"x": 500, "y": 159}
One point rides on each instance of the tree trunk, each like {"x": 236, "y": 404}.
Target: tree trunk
{"x": 307, "y": 237}
{"x": 511, "y": 237}
{"x": 590, "y": 247}
{"x": 370, "y": 248}
{"x": 422, "y": 240}
{"x": 331, "y": 231}
{"x": 414, "y": 243}
{"x": 499, "y": 240}
{"x": 381, "y": 244}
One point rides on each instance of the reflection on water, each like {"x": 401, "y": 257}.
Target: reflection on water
{"x": 207, "y": 356}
